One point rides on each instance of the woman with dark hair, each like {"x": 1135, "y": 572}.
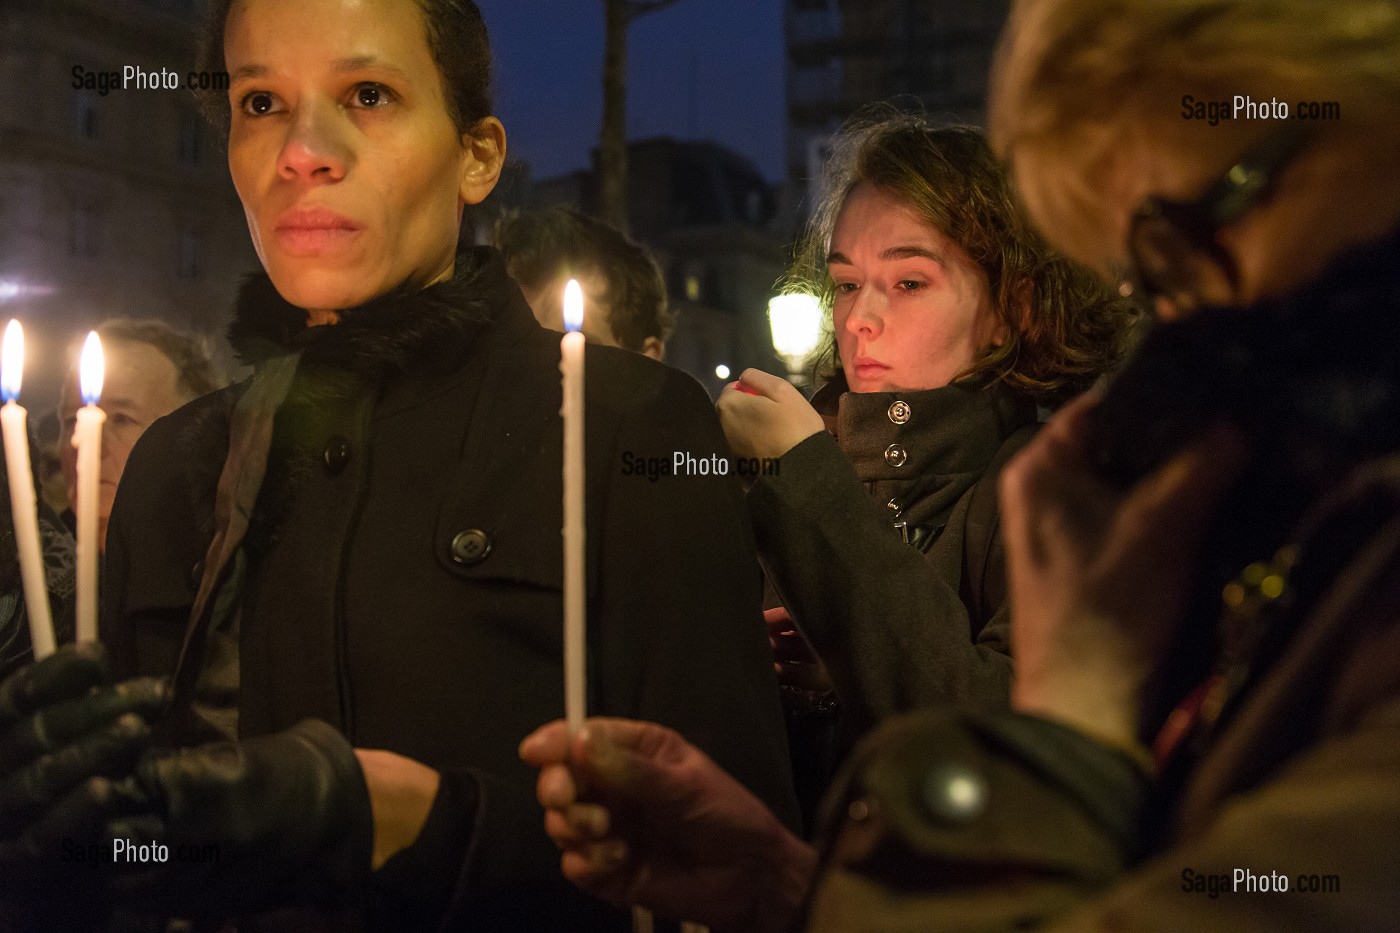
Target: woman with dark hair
{"x": 952, "y": 325}
{"x": 352, "y": 561}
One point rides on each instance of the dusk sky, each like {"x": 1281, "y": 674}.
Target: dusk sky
{"x": 701, "y": 69}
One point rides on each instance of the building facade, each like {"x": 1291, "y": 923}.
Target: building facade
{"x": 843, "y": 55}
{"x": 117, "y": 199}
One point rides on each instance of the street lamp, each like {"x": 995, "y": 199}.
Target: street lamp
{"x": 796, "y": 321}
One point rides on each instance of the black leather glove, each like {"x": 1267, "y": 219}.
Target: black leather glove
{"x": 61, "y": 727}
{"x": 64, "y": 733}
{"x": 275, "y": 821}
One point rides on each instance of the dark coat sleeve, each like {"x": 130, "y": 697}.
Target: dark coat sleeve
{"x": 680, "y": 594}
{"x": 888, "y": 622}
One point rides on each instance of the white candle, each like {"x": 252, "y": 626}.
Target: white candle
{"x": 23, "y": 502}
{"x": 575, "y": 657}
{"x": 87, "y": 438}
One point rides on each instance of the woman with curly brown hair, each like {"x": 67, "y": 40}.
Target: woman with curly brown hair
{"x": 953, "y": 326}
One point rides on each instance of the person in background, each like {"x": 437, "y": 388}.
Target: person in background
{"x": 624, "y": 292}
{"x": 48, "y": 464}
{"x": 1204, "y": 559}
{"x": 953, "y": 326}
{"x": 151, "y": 369}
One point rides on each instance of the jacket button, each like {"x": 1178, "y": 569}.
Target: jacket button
{"x": 896, "y": 456}
{"x": 954, "y": 794}
{"x": 336, "y": 454}
{"x": 899, "y": 412}
{"x": 471, "y": 546}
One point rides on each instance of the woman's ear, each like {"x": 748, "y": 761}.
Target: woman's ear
{"x": 484, "y": 147}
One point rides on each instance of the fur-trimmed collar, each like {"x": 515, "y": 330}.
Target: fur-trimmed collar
{"x": 391, "y": 331}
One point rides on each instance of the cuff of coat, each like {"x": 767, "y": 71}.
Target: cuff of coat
{"x": 987, "y": 790}
{"x": 421, "y": 879}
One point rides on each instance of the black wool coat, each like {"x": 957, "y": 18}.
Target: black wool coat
{"x": 401, "y": 575}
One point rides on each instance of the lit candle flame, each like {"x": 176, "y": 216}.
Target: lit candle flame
{"x": 90, "y": 369}
{"x": 12, "y": 361}
{"x": 573, "y": 306}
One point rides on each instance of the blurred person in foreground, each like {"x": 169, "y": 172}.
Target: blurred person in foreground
{"x": 150, "y": 369}
{"x": 624, "y": 292}
{"x": 1204, "y": 561}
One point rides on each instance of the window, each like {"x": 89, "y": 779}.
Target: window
{"x": 84, "y": 231}
{"x": 190, "y": 243}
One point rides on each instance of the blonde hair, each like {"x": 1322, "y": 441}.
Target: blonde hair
{"x": 1076, "y": 80}
{"x": 1064, "y": 327}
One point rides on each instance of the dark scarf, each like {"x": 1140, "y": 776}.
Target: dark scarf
{"x": 1312, "y": 379}
{"x": 399, "y": 330}
{"x": 298, "y": 371}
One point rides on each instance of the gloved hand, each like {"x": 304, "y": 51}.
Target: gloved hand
{"x": 268, "y": 822}
{"x": 64, "y": 731}
{"x": 61, "y": 725}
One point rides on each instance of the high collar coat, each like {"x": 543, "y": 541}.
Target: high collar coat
{"x": 401, "y": 574}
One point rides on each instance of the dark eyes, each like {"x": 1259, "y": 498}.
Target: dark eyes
{"x": 367, "y": 96}
{"x": 372, "y": 95}
{"x": 258, "y": 103}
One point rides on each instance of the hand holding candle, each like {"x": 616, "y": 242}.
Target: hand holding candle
{"x": 571, "y": 366}
{"x": 87, "y": 438}
{"x": 23, "y": 501}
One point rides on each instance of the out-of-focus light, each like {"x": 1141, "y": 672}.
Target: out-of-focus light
{"x": 12, "y": 361}
{"x": 573, "y": 306}
{"x": 796, "y": 322}
{"x": 91, "y": 369}
{"x": 721, "y": 371}
{"x": 8, "y": 290}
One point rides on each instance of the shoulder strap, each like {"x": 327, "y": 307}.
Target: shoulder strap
{"x": 984, "y": 566}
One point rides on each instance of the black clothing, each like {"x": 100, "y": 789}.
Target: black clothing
{"x": 884, "y": 545}
{"x": 402, "y": 571}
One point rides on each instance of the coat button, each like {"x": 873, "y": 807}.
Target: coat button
{"x": 899, "y": 412}
{"x": 896, "y": 456}
{"x": 471, "y": 546}
{"x": 954, "y": 793}
{"x": 336, "y": 454}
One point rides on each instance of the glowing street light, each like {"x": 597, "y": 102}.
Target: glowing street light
{"x": 796, "y": 322}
